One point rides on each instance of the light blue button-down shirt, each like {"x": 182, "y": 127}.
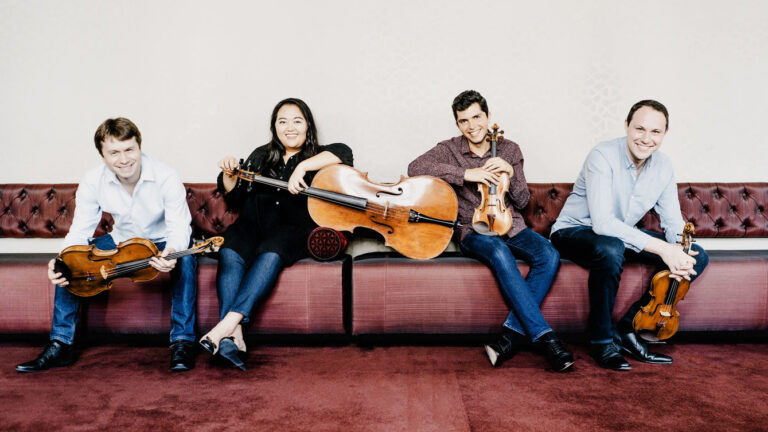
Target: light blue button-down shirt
{"x": 611, "y": 197}
{"x": 157, "y": 210}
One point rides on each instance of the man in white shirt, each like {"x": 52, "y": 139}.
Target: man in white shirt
{"x": 146, "y": 199}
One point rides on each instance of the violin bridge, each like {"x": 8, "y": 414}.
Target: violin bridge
{"x": 386, "y": 209}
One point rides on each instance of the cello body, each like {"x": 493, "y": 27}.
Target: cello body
{"x": 389, "y": 209}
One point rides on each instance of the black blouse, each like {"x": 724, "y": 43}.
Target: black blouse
{"x": 272, "y": 219}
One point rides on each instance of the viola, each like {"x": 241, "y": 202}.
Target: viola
{"x": 90, "y": 270}
{"x": 416, "y": 216}
{"x": 491, "y": 217}
{"x": 659, "y": 319}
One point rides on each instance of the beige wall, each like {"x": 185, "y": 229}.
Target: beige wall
{"x": 200, "y": 79}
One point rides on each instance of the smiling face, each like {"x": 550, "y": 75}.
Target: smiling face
{"x": 473, "y": 123}
{"x": 122, "y": 158}
{"x": 645, "y": 132}
{"x": 291, "y": 128}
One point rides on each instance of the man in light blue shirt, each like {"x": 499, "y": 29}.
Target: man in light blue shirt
{"x": 621, "y": 180}
{"x": 146, "y": 199}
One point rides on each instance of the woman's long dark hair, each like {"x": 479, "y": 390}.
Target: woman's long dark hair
{"x": 276, "y": 149}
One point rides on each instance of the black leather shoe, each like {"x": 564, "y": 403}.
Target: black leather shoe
{"x": 229, "y": 351}
{"x": 607, "y": 356}
{"x": 55, "y": 354}
{"x": 631, "y": 345}
{"x": 503, "y": 348}
{"x": 182, "y": 356}
{"x": 557, "y": 353}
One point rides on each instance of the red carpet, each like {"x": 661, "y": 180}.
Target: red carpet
{"x": 400, "y": 388}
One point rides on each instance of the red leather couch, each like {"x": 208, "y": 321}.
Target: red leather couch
{"x": 308, "y": 298}
{"x": 460, "y": 295}
{"x": 388, "y": 294}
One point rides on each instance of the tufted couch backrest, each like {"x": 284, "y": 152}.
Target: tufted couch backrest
{"x": 716, "y": 209}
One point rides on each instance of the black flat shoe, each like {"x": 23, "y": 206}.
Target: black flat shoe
{"x": 208, "y": 345}
{"x": 182, "y": 356}
{"x": 228, "y": 350}
{"x": 631, "y": 345}
{"x": 607, "y": 356}
{"x": 55, "y": 354}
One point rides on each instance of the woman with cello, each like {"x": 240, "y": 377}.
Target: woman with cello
{"x": 272, "y": 228}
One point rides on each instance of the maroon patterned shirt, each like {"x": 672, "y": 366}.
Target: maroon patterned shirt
{"x": 450, "y": 158}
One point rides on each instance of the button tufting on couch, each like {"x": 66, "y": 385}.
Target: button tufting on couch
{"x": 388, "y": 293}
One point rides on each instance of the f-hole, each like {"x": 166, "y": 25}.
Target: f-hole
{"x": 399, "y": 192}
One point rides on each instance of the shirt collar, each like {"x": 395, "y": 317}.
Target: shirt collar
{"x": 464, "y": 147}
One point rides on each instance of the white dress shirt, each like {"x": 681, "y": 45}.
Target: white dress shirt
{"x": 157, "y": 210}
{"x": 611, "y": 197}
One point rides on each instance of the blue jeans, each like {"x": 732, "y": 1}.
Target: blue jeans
{"x": 239, "y": 286}
{"x": 523, "y": 294}
{"x": 183, "y": 297}
{"x": 604, "y": 257}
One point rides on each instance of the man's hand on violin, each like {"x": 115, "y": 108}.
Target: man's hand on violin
{"x": 498, "y": 165}
{"x": 296, "y": 183}
{"x": 680, "y": 263}
{"x": 159, "y": 263}
{"x": 481, "y": 175}
{"x": 56, "y": 277}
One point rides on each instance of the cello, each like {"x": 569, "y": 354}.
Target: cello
{"x": 416, "y": 216}
{"x": 659, "y": 319}
{"x": 90, "y": 270}
{"x": 491, "y": 217}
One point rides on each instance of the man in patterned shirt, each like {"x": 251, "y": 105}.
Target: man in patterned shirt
{"x": 464, "y": 162}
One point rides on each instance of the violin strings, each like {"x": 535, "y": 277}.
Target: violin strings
{"x": 132, "y": 266}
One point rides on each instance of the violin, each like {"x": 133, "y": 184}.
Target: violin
{"x": 416, "y": 216}
{"x": 491, "y": 217}
{"x": 658, "y": 320}
{"x": 90, "y": 270}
